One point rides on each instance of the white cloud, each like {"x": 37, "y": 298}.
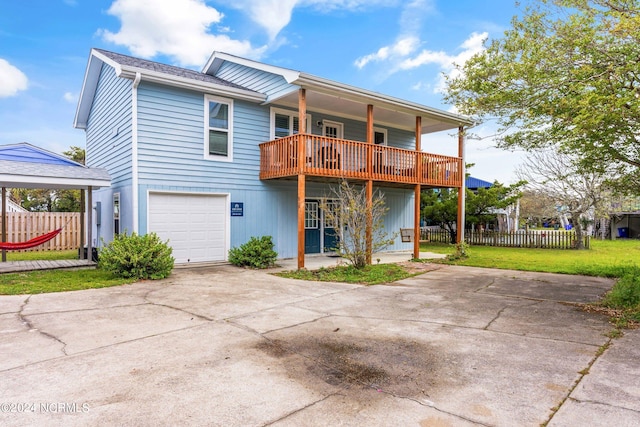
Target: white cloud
{"x": 402, "y": 60}
{"x": 179, "y": 29}
{"x": 274, "y": 15}
{"x": 13, "y": 80}
{"x": 70, "y": 97}
{"x": 401, "y": 48}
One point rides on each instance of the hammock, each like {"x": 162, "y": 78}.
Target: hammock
{"x": 36, "y": 241}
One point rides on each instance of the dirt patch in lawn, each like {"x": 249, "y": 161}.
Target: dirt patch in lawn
{"x": 397, "y": 366}
{"x": 420, "y": 267}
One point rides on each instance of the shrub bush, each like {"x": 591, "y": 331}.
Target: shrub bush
{"x": 256, "y": 253}
{"x": 135, "y": 256}
{"x": 625, "y": 294}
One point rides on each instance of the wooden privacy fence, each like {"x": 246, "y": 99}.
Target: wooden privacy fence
{"x": 547, "y": 239}
{"x": 23, "y": 226}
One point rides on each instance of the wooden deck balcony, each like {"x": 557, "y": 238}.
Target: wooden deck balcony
{"x": 319, "y": 156}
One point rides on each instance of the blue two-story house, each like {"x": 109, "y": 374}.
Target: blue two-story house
{"x": 209, "y": 159}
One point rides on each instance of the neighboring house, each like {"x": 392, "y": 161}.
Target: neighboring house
{"x": 625, "y": 218}
{"x": 209, "y": 159}
{"x": 13, "y": 206}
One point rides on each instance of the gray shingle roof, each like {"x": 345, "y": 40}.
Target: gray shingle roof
{"x": 167, "y": 69}
{"x": 26, "y": 174}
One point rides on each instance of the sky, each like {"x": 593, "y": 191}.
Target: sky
{"x": 401, "y": 48}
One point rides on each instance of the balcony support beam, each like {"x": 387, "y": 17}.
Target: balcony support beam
{"x": 302, "y": 129}
{"x": 301, "y": 206}
{"x": 461, "y": 190}
{"x": 369, "y": 187}
{"x": 417, "y": 191}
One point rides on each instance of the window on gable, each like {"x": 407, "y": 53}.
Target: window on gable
{"x": 218, "y": 128}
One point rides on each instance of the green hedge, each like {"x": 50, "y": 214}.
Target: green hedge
{"x": 135, "y": 256}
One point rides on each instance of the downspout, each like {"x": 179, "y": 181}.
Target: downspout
{"x": 134, "y": 152}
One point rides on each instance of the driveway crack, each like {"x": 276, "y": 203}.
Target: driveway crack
{"x": 26, "y": 322}
{"x": 303, "y": 408}
{"x": 583, "y": 373}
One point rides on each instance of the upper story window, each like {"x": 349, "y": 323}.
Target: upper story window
{"x": 218, "y": 128}
{"x": 379, "y": 136}
{"x": 286, "y": 123}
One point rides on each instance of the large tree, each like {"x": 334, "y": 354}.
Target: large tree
{"x": 536, "y": 206}
{"x": 566, "y": 74}
{"x": 584, "y": 194}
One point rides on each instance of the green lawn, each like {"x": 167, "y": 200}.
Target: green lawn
{"x": 37, "y": 282}
{"x": 606, "y": 258}
{"x": 41, "y": 255}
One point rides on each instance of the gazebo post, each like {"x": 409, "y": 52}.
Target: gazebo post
{"x": 90, "y": 224}
{"x": 82, "y": 210}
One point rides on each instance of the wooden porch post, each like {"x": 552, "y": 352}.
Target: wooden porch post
{"x": 417, "y": 191}
{"x": 461, "y": 191}
{"x": 302, "y": 125}
{"x": 4, "y": 221}
{"x": 369, "y": 185}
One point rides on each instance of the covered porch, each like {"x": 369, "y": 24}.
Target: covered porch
{"x": 305, "y": 156}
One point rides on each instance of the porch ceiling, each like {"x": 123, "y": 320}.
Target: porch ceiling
{"x": 384, "y": 112}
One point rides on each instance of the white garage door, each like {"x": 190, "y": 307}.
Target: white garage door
{"x": 195, "y": 225}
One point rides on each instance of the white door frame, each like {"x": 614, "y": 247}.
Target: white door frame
{"x": 338, "y": 125}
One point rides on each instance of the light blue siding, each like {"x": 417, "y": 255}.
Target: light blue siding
{"x": 270, "y": 84}
{"x": 355, "y": 130}
{"x": 109, "y": 127}
{"x": 105, "y": 197}
{"x": 171, "y": 141}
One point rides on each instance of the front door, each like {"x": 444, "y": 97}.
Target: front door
{"x": 320, "y": 233}
{"x": 311, "y": 227}
{"x": 330, "y": 234}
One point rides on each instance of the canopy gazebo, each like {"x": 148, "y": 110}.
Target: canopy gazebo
{"x": 26, "y": 166}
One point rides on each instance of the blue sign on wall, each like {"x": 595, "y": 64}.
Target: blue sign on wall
{"x": 237, "y": 209}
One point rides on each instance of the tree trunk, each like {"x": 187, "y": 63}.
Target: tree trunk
{"x": 577, "y": 225}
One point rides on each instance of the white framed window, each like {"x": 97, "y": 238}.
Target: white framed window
{"x": 286, "y": 123}
{"x": 379, "y": 136}
{"x": 331, "y": 213}
{"x": 311, "y": 215}
{"x": 218, "y": 128}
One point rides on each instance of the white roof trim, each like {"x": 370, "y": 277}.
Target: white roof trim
{"x": 216, "y": 59}
{"x": 177, "y": 81}
{"x": 30, "y": 181}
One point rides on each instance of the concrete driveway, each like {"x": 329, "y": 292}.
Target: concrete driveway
{"x": 222, "y": 346}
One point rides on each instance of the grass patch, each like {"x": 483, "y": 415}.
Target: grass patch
{"x": 41, "y": 255}
{"x": 608, "y": 258}
{"x": 369, "y": 275}
{"x": 38, "y": 282}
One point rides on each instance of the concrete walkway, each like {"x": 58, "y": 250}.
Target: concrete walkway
{"x": 223, "y": 346}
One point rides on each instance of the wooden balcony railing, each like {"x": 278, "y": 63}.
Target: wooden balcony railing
{"x": 339, "y": 158}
